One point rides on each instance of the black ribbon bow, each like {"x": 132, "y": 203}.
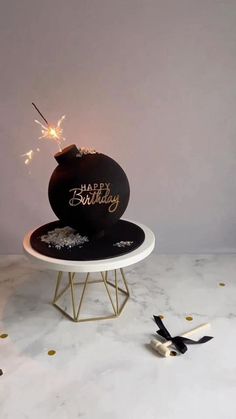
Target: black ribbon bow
{"x": 179, "y": 341}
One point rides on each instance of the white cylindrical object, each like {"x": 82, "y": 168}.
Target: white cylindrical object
{"x": 159, "y": 347}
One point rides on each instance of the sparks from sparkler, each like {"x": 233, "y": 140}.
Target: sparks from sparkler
{"x": 29, "y": 156}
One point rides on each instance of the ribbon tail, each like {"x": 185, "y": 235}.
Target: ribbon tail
{"x": 164, "y": 334}
{"x": 204, "y": 339}
{"x": 163, "y": 331}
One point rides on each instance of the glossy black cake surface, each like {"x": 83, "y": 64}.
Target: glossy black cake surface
{"x": 88, "y": 192}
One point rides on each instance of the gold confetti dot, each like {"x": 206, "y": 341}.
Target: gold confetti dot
{"x": 189, "y": 318}
{"x": 161, "y": 316}
{"x": 221, "y": 284}
{"x": 51, "y": 352}
{"x": 173, "y": 353}
{"x": 3, "y": 335}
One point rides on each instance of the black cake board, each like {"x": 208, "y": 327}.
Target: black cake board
{"x": 99, "y": 248}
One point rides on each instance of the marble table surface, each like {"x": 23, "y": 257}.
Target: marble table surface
{"x": 106, "y": 369}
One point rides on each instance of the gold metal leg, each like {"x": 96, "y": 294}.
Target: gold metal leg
{"x": 59, "y": 278}
{"x": 82, "y": 296}
{"x": 124, "y": 279}
{"x": 104, "y": 277}
{"x": 76, "y": 305}
{"x": 71, "y": 278}
{"x": 117, "y": 297}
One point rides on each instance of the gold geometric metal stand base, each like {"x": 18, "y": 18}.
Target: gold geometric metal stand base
{"x": 116, "y": 304}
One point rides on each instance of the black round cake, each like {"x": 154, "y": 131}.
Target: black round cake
{"x": 88, "y": 192}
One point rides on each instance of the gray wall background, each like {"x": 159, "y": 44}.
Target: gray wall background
{"x": 152, "y": 83}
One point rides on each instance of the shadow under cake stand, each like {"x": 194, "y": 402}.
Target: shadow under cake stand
{"x": 116, "y": 288}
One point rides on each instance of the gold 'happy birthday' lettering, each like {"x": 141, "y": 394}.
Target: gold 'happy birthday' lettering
{"x": 96, "y": 193}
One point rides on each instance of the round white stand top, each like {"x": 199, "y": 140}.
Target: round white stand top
{"x": 99, "y": 265}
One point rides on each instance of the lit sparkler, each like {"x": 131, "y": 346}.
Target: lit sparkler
{"x": 51, "y": 132}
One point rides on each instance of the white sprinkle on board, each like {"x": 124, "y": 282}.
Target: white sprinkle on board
{"x": 123, "y": 244}
{"x": 64, "y": 237}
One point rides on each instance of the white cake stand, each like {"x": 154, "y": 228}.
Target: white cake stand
{"x": 104, "y": 266}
